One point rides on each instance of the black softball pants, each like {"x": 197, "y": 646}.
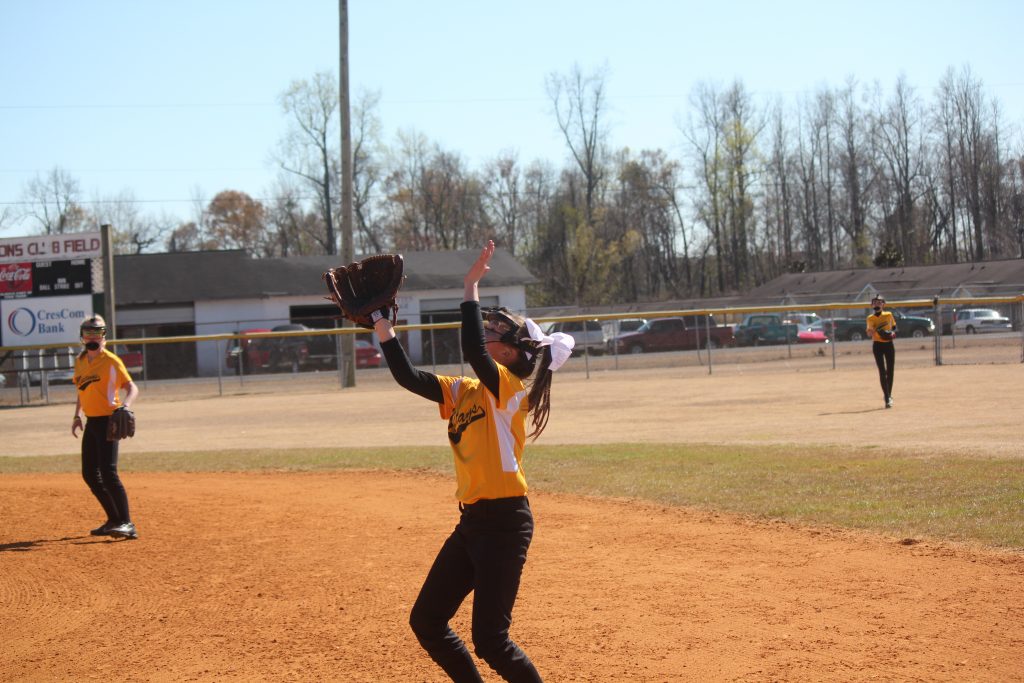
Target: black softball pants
{"x": 885, "y": 359}
{"x": 99, "y": 469}
{"x": 485, "y": 554}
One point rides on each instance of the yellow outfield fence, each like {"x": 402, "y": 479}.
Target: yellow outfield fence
{"x": 41, "y": 373}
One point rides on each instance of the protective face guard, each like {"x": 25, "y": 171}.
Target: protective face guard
{"x": 92, "y": 331}
{"x": 498, "y": 321}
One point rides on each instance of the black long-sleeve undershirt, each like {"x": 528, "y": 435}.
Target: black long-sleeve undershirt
{"x": 474, "y": 350}
{"x": 421, "y": 383}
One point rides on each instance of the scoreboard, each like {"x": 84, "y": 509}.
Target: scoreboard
{"x": 46, "y": 287}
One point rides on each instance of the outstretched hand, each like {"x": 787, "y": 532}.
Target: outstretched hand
{"x": 480, "y": 268}
{"x": 477, "y": 271}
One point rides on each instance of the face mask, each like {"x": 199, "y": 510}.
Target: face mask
{"x": 878, "y": 309}
{"x": 92, "y": 346}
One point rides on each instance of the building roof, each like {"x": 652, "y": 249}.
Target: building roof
{"x": 986, "y": 278}
{"x": 185, "y": 277}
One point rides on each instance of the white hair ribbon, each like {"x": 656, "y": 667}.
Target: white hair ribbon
{"x": 561, "y": 344}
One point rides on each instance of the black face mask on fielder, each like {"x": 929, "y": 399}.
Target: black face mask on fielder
{"x": 92, "y": 346}
{"x": 878, "y": 309}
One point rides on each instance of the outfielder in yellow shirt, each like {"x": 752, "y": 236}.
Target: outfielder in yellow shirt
{"x": 100, "y": 377}
{"x": 487, "y": 434}
{"x": 487, "y": 416}
{"x": 881, "y": 325}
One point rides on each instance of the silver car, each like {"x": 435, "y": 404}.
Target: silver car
{"x": 588, "y": 334}
{"x": 975, "y": 320}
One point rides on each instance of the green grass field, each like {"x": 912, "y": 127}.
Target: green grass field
{"x": 970, "y": 500}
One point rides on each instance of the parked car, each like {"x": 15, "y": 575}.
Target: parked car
{"x": 613, "y": 328}
{"x": 131, "y": 357}
{"x": 367, "y": 355}
{"x": 813, "y": 334}
{"x": 803, "y": 319}
{"x": 58, "y": 364}
{"x": 322, "y": 349}
{"x": 266, "y": 353}
{"x": 589, "y": 335}
{"x": 855, "y": 329}
{"x": 674, "y": 334}
{"x": 975, "y": 320}
{"x": 765, "y": 328}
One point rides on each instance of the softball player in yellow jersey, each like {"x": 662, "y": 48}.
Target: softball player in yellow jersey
{"x": 487, "y": 417}
{"x": 881, "y": 327}
{"x": 99, "y": 377}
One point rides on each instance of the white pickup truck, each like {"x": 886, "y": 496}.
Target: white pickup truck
{"x": 589, "y": 335}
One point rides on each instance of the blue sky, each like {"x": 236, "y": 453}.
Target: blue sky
{"x": 176, "y": 99}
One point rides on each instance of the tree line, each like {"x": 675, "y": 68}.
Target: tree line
{"x": 848, "y": 176}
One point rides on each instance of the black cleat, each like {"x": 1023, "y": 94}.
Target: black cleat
{"x": 102, "y": 530}
{"x": 126, "y": 530}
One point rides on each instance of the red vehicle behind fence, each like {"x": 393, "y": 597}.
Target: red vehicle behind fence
{"x": 673, "y": 334}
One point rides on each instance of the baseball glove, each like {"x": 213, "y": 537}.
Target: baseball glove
{"x": 121, "y": 424}
{"x": 365, "y": 290}
{"x": 887, "y": 335}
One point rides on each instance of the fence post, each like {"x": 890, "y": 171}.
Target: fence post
{"x": 433, "y": 348}
{"x": 707, "y": 330}
{"x": 832, "y": 334}
{"x": 586, "y": 350}
{"x": 145, "y": 368}
{"x": 339, "y": 362}
{"x": 220, "y": 368}
{"x": 938, "y": 333}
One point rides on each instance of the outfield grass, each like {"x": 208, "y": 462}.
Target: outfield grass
{"x": 973, "y": 500}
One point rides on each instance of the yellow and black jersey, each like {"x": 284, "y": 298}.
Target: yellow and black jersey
{"x": 882, "y": 321}
{"x": 487, "y": 435}
{"x": 98, "y": 382}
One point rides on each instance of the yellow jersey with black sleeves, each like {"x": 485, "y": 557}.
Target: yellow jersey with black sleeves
{"x": 487, "y": 435}
{"x": 881, "y": 321}
{"x": 98, "y": 381}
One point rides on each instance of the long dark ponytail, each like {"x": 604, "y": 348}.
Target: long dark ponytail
{"x": 533, "y": 361}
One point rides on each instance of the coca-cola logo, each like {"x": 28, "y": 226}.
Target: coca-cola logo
{"x": 15, "y": 277}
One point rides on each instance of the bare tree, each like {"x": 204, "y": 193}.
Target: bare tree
{"x": 134, "y": 232}
{"x": 188, "y": 237}
{"x": 579, "y": 105}
{"x": 367, "y": 173}
{"x": 293, "y": 230}
{"x": 779, "y": 196}
{"x": 53, "y": 203}
{"x": 723, "y": 136}
{"x": 645, "y": 218}
{"x": 309, "y": 149}
{"x": 855, "y": 172}
{"x": 902, "y": 147}
{"x": 503, "y": 198}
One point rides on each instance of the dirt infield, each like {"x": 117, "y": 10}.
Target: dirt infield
{"x": 309, "y": 576}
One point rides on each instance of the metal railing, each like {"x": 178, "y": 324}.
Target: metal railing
{"x": 587, "y": 361}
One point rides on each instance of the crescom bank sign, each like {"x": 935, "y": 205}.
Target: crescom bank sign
{"x": 49, "y": 320}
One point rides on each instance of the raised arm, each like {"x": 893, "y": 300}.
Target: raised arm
{"x": 421, "y": 383}
{"x": 474, "y": 348}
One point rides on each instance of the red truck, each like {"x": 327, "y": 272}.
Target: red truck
{"x": 674, "y": 334}
{"x": 258, "y": 354}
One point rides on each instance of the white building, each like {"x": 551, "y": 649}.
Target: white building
{"x": 210, "y": 292}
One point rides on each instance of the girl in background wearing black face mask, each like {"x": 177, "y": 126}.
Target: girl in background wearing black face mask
{"x": 881, "y": 327}
{"x": 100, "y": 376}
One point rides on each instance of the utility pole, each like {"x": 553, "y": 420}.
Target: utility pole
{"x": 348, "y": 346}
{"x": 109, "y": 298}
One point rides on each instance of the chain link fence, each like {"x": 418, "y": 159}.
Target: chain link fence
{"x": 816, "y": 337}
